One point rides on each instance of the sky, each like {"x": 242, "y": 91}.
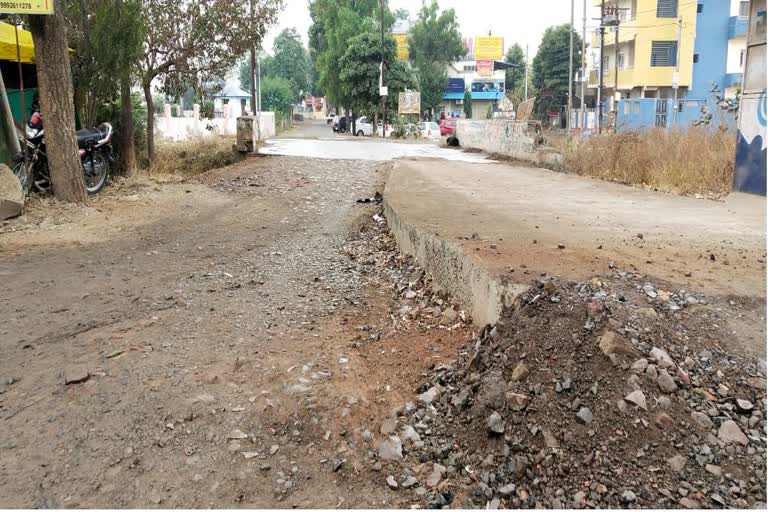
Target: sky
{"x": 518, "y": 21}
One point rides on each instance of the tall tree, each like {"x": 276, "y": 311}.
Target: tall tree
{"x": 468, "y": 104}
{"x": 550, "y": 66}
{"x": 265, "y": 65}
{"x": 401, "y": 14}
{"x": 54, "y": 81}
{"x": 515, "y": 76}
{"x": 434, "y": 41}
{"x": 277, "y": 95}
{"x": 291, "y": 61}
{"x": 186, "y": 41}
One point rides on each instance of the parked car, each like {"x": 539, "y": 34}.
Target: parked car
{"x": 447, "y": 126}
{"x": 364, "y": 127}
{"x": 341, "y": 126}
{"x": 429, "y": 130}
{"x": 329, "y": 119}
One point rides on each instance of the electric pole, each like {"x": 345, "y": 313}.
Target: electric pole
{"x": 526, "y": 72}
{"x": 616, "y": 70}
{"x": 600, "y": 87}
{"x": 583, "y": 71}
{"x": 570, "y": 78}
{"x": 381, "y": 81}
{"x": 676, "y": 78}
{"x": 253, "y": 68}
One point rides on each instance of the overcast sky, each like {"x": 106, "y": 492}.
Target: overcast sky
{"x": 518, "y": 21}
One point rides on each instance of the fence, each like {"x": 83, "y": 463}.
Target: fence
{"x": 192, "y": 126}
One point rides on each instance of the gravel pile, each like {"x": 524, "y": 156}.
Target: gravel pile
{"x": 612, "y": 392}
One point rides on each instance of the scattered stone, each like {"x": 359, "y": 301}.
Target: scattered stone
{"x": 409, "y": 482}
{"x": 409, "y": 434}
{"x": 663, "y": 360}
{"x": 714, "y": 470}
{"x": 677, "y": 463}
{"x": 744, "y": 405}
{"x": 663, "y": 421}
{"x": 507, "y": 490}
{"x": 273, "y": 449}
{"x": 689, "y": 503}
{"x": 701, "y": 420}
{"x": 516, "y": 401}
{"x": 388, "y": 426}
{"x": 237, "y": 434}
{"x": 666, "y": 382}
{"x": 391, "y": 449}
{"x": 391, "y": 482}
{"x": 74, "y": 374}
{"x": 628, "y": 496}
{"x": 495, "y": 423}
{"x": 584, "y": 415}
{"x": 430, "y": 395}
{"x": 731, "y": 433}
{"x": 520, "y": 372}
{"x": 613, "y": 343}
{"x": 550, "y": 441}
{"x": 436, "y": 476}
{"x": 637, "y": 398}
{"x": 639, "y": 366}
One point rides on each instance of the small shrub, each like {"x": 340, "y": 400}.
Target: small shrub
{"x": 695, "y": 160}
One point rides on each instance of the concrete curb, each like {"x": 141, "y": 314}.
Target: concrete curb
{"x": 481, "y": 292}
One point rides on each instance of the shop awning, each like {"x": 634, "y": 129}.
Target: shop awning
{"x": 8, "y": 44}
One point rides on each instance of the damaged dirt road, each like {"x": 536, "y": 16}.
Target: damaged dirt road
{"x": 253, "y": 338}
{"x": 208, "y": 343}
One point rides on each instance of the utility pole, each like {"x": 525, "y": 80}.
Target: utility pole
{"x": 583, "y": 71}
{"x": 570, "y": 77}
{"x": 676, "y": 78}
{"x": 600, "y": 87}
{"x": 253, "y": 68}
{"x": 381, "y": 81}
{"x": 526, "y": 72}
{"x": 616, "y": 70}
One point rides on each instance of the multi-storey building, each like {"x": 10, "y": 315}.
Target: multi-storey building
{"x": 696, "y": 43}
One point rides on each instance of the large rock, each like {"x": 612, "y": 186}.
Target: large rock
{"x": 612, "y": 343}
{"x": 391, "y": 449}
{"x": 731, "y": 433}
{"x": 11, "y": 194}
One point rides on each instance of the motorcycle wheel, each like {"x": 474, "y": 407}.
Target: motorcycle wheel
{"x": 95, "y": 173}
{"x": 24, "y": 171}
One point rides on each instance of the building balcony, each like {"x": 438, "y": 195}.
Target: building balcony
{"x": 733, "y": 79}
{"x": 626, "y": 78}
{"x": 627, "y": 34}
{"x": 737, "y": 27}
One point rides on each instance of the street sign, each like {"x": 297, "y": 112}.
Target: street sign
{"x": 383, "y": 90}
{"x": 409, "y": 102}
{"x": 26, "y": 6}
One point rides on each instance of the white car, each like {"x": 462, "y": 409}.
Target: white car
{"x": 429, "y": 130}
{"x": 364, "y": 126}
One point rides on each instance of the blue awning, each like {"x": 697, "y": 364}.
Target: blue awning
{"x": 453, "y": 96}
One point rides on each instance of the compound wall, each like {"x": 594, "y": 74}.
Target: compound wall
{"x": 521, "y": 140}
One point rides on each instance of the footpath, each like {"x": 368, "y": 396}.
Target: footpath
{"x": 623, "y": 364}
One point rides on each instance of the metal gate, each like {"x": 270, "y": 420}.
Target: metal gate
{"x": 661, "y": 113}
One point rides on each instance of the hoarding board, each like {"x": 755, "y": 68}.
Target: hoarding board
{"x": 455, "y": 85}
{"x": 489, "y": 48}
{"x": 485, "y": 67}
{"x": 401, "y": 46}
{"x": 26, "y": 6}
{"x": 488, "y": 86}
{"x": 409, "y": 102}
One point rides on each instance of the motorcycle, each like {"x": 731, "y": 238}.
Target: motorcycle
{"x": 94, "y": 149}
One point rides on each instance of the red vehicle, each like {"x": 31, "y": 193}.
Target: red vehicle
{"x": 447, "y": 126}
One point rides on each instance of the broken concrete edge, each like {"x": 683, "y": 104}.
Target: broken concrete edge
{"x": 482, "y": 293}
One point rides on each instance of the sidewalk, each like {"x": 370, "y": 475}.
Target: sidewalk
{"x": 503, "y": 217}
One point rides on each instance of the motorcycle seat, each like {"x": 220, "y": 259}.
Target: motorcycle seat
{"x": 86, "y": 135}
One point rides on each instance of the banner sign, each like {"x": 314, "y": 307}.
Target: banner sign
{"x": 409, "y": 102}
{"x": 469, "y": 42}
{"x": 455, "y": 85}
{"x": 488, "y": 86}
{"x": 489, "y": 48}
{"x": 401, "y": 45}
{"x": 26, "y": 6}
{"x": 485, "y": 67}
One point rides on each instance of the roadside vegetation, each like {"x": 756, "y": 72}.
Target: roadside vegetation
{"x": 696, "y": 160}
{"x": 193, "y": 157}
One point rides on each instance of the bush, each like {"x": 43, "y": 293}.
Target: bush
{"x": 196, "y": 156}
{"x": 696, "y": 160}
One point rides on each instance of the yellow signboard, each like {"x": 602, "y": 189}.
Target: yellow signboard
{"x": 26, "y": 6}
{"x": 401, "y": 44}
{"x": 489, "y": 48}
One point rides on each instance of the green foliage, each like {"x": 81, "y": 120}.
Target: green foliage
{"x": 276, "y": 95}
{"x": 401, "y": 14}
{"x": 404, "y": 127}
{"x": 291, "y": 61}
{"x": 489, "y": 112}
{"x": 399, "y": 77}
{"x": 245, "y": 70}
{"x": 550, "y": 66}
{"x": 359, "y": 72}
{"x": 433, "y": 78}
{"x": 514, "y": 77}
{"x": 726, "y": 106}
{"x": 468, "y": 104}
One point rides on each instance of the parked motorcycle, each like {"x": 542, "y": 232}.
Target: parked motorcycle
{"x": 94, "y": 148}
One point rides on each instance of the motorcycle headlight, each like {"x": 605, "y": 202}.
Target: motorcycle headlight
{"x": 31, "y": 133}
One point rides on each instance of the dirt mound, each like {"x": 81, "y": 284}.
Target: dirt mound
{"x": 606, "y": 393}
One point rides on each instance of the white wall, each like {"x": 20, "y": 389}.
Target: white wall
{"x": 185, "y": 128}
{"x": 735, "y": 7}
{"x": 735, "y": 47}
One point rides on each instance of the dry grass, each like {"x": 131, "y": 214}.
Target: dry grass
{"x": 691, "y": 161}
{"x": 193, "y": 157}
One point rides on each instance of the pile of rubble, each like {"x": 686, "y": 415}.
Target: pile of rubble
{"x": 605, "y": 393}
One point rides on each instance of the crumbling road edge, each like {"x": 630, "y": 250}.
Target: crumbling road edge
{"x": 483, "y": 294}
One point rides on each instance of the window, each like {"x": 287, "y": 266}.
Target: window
{"x": 743, "y": 9}
{"x": 699, "y": 8}
{"x": 663, "y": 53}
{"x": 621, "y": 61}
{"x": 666, "y": 9}
{"x": 605, "y": 65}
{"x": 626, "y": 108}
{"x": 636, "y": 107}
{"x": 741, "y": 59}
{"x": 470, "y": 67}
{"x": 695, "y": 58}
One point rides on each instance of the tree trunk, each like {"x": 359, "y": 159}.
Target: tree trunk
{"x": 147, "y": 86}
{"x": 54, "y": 80}
{"x": 127, "y": 144}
